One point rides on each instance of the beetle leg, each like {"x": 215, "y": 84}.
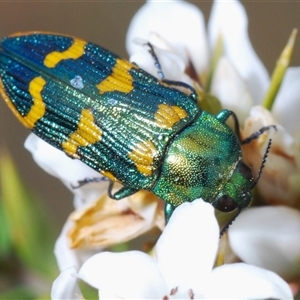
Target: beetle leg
{"x": 223, "y": 116}
{"x": 193, "y": 95}
{"x": 257, "y": 134}
{"x": 121, "y": 193}
{"x": 89, "y": 180}
{"x": 161, "y": 75}
{"x": 169, "y": 208}
{"x": 157, "y": 64}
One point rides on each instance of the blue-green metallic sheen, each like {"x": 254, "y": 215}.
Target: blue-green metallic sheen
{"x": 196, "y": 158}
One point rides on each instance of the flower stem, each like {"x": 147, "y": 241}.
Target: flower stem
{"x": 280, "y": 69}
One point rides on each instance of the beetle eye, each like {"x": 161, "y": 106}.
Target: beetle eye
{"x": 225, "y": 204}
{"x": 245, "y": 171}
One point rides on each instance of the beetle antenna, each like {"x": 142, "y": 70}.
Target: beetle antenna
{"x": 157, "y": 64}
{"x": 253, "y": 185}
{"x": 257, "y": 134}
{"x": 229, "y": 223}
{"x": 262, "y": 164}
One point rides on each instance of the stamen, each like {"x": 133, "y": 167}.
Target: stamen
{"x": 191, "y": 294}
{"x": 174, "y": 291}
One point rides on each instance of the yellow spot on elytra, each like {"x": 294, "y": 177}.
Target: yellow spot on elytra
{"x": 87, "y": 133}
{"x": 109, "y": 175}
{"x": 143, "y": 156}
{"x": 74, "y": 51}
{"x": 120, "y": 79}
{"x": 167, "y": 115}
{"x": 38, "y": 107}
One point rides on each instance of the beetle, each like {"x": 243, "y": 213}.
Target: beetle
{"x": 123, "y": 122}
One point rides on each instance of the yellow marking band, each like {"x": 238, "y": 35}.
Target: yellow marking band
{"x": 87, "y": 133}
{"x": 109, "y": 175}
{"x": 11, "y": 105}
{"x": 166, "y": 115}
{"x": 142, "y": 156}
{"x": 75, "y": 51}
{"x": 38, "y": 107}
{"x": 120, "y": 79}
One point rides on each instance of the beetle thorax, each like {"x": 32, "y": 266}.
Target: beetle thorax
{"x": 199, "y": 162}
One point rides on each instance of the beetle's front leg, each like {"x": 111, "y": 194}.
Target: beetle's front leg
{"x": 257, "y": 134}
{"x": 223, "y": 116}
{"x": 169, "y": 208}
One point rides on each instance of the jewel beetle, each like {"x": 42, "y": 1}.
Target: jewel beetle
{"x": 123, "y": 122}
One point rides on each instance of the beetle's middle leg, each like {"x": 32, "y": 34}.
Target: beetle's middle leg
{"x": 223, "y": 116}
{"x": 88, "y": 180}
{"x": 161, "y": 75}
{"x": 121, "y": 193}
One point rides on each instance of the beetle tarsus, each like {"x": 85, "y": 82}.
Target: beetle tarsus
{"x": 161, "y": 75}
{"x": 157, "y": 64}
{"x": 87, "y": 180}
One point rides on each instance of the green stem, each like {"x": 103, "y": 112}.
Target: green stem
{"x": 280, "y": 69}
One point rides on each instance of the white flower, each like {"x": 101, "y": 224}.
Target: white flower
{"x": 182, "y": 268}
{"x": 268, "y": 237}
{"x": 279, "y": 183}
{"x": 69, "y": 171}
{"x": 237, "y": 78}
{"x": 240, "y": 79}
{"x": 286, "y": 107}
{"x": 65, "y": 286}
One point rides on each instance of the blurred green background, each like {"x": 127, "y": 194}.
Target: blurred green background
{"x": 106, "y": 23}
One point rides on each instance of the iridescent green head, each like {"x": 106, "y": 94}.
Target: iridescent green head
{"x": 236, "y": 192}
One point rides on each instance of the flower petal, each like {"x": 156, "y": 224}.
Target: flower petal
{"x": 272, "y": 241}
{"x": 129, "y": 275}
{"x": 279, "y": 183}
{"x": 229, "y": 20}
{"x": 242, "y": 281}
{"x": 65, "y": 286}
{"x": 187, "y": 248}
{"x": 286, "y": 107}
{"x": 172, "y": 64}
{"x": 56, "y": 162}
{"x": 107, "y": 222}
{"x": 179, "y": 23}
{"x": 230, "y": 89}
{"x": 65, "y": 255}
{"x": 69, "y": 171}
